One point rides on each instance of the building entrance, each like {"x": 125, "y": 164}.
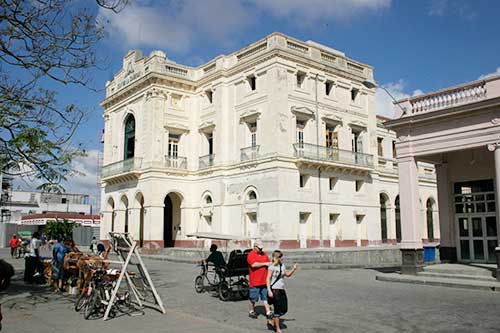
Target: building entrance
{"x": 476, "y": 221}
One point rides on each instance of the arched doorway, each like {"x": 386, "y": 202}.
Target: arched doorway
{"x": 140, "y": 202}
{"x": 397, "y": 210}
{"x": 383, "y": 217}
{"x": 171, "y": 218}
{"x": 430, "y": 219}
{"x": 129, "y": 139}
{"x": 124, "y": 202}
{"x": 111, "y": 209}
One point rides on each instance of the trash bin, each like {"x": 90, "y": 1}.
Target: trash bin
{"x": 429, "y": 253}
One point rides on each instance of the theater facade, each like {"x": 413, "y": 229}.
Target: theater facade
{"x": 278, "y": 141}
{"x": 457, "y": 129}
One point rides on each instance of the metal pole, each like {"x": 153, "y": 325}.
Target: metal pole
{"x": 320, "y": 215}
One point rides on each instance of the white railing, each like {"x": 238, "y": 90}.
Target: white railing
{"x": 176, "y": 162}
{"x": 327, "y": 154}
{"x": 296, "y": 47}
{"x": 449, "y": 98}
{"x": 250, "y": 153}
{"x": 128, "y": 165}
{"x": 206, "y": 161}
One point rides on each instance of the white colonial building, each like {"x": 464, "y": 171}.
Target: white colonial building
{"x": 278, "y": 141}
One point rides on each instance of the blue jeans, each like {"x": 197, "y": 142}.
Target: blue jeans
{"x": 256, "y": 293}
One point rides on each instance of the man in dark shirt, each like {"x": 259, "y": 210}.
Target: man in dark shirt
{"x": 216, "y": 257}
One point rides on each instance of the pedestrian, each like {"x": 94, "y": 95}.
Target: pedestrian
{"x": 93, "y": 246}
{"x": 33, "y": 265}
{"x": 275, "y": 283}
{"x": 14, "y": 245}
{"x": 43, "y": 241}
{"x": 257, "y": 265}
{"x": 58, "y": 254}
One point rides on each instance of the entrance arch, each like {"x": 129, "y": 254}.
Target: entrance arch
{"x": 383, "y": 217}
{"x": 171, "y": 218}
{"x": 397, "y": 211}
{"x": 124, "y": 204}
{"x": 111, "y": 209}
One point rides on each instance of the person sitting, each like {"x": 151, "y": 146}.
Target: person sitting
{"x": 215, "y": 257}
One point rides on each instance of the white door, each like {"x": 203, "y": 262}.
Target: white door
{"x": 359, "y": 219}
{"x": 303, "y": 231}
{"x": 252, "y": 225}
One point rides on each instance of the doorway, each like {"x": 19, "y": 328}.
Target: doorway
{"x": 171, "y": 219}
{"x": 475, "y": 216}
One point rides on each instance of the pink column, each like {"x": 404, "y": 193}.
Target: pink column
{"x": 411, "y": 242}
{"x": 495, "y": 147}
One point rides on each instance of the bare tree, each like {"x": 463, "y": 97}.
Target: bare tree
{"x": 44, "y": 43}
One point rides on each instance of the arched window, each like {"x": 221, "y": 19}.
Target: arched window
{"x": 430, "y": 220}
{"x": 383, "y": 218}
{"x": 208, "y": 199}
{"x": 129, "y": 142}
{"x": 252, "y": 195}
{"x": 398, "y": 219}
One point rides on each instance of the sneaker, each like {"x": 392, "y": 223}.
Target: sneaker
{"x": 252, "y": 315}
{"x": 269, "y": 315}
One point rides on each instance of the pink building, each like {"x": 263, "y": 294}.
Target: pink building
{"x": 458, "y": 130}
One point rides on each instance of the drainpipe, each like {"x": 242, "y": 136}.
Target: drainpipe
{"x": 320, "y": 215}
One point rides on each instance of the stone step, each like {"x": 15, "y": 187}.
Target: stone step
{"x": 458, "y": 269}
{"x": 440, "y": 282}
{"x": 457, "y": 276}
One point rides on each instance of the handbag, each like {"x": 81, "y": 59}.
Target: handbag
{"x": 270, "y": 300}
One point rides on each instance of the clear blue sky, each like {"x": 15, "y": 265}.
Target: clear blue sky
{"x": 413, "y": 45}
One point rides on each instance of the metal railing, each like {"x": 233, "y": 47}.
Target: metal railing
{"x": 327, "y": 154}
{"x": 176, "y": 162}
{"x": 207, "y": 161}
{"x": 123, "y": 166}
{"x": 249, "y": 153}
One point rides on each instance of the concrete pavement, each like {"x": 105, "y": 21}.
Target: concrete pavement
{"x": 349, "y": 300}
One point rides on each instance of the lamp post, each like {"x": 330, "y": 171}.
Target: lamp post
{"x": 371, "y": 84}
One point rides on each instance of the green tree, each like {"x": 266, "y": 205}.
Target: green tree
{"x": 44, "y": 43}
{"x": 55, "y": 229}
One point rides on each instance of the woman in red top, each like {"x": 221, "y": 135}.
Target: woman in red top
{"x": 14, "y": 244}
{"x": 257, "y": 264}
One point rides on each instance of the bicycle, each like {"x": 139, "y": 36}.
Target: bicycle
{"x": 211, "y": 276}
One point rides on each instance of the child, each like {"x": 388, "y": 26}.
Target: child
{"x": 276, "y": 288}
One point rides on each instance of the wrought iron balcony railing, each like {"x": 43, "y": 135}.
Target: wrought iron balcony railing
{"x": 176, "y": 162}
{"x": 327, "y": 154}
{"x": 206, "y": 161}
{"x": 128, "y": 165}
{"x": 249, "y": 153}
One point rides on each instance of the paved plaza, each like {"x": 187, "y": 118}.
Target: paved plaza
{"x": 319, "y": 301}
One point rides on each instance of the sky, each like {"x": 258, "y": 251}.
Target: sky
{"x": 414, "y": 46}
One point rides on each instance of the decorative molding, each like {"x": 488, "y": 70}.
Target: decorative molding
{"x": 403, "y": 138}
{"x": 495, "y": 121}
{"x": 250, "y": 115}
{"x": 333, "y": 117}
{"x": 494, "y": 146}
{"x": 177, "y": 127}
{"x": 206, "y": 125}
{"x": 302, "y": 111}
{"x": 358, "y": 123}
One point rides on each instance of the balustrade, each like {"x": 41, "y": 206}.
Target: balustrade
{"x": 327, "y": 154}
{"x": 250, "y": 153}
{"x": 206, "y": 161}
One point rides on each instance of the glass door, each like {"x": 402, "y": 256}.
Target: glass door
{"x": 476, "y": 220}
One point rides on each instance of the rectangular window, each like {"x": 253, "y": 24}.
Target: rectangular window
{"x": 63, "y": 200}
{"x": 303, "y": 180}
{"x": 379, "y": 146}
{"x": 357, "y": 142}
{"x": 301, "y": 78}
{"x": 328, "y": 88}
{"x": 253, "y": 134}
{"x": 354, "y": 94}
{"x": 393, "y": 149}
{"x": 300, "y": 131}
{"x": 331, "y": 137}
{"x": 210, "y": 140}
{"x": 210, "y": 95}
{"x": 252, "y": 82}
{"x": 359, "y": 185}
{"x": 333, "y": 182}
{"x": 173, "y": 145}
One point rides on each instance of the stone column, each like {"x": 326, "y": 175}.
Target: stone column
{"x": 447, "y": 230}
{"x": 153, "y": 229}
{"x": 105, "y": 224}
{"x": 133, "y": 222}
{"x": 495, "y": 147}
{"x": 411, "y": 242}
{"x": 120, "y": 220}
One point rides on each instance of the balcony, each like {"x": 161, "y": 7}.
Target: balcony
{"x": 250, "y": 153}
{"x": 315, "y": 153}
{"x": 128, "y": 168}
{"x": 388, "y": 165}
{"x": 206, "y": 161}
{"x": 176, "y": 162}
